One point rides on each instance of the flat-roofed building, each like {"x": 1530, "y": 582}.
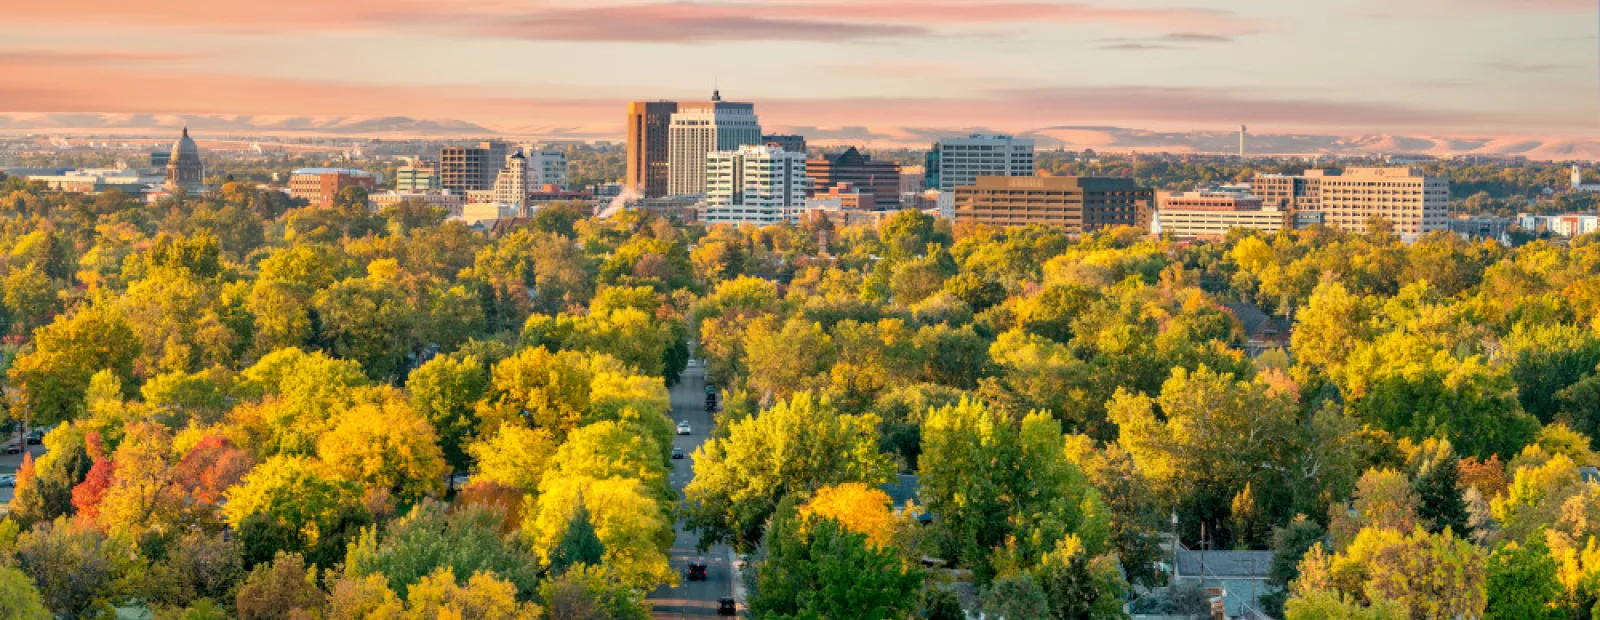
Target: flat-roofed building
{"x": 445, "y": 199}
{"x": 320, "y": 186}
{"x": 1078, "y": 204}
{"x": 957, "y": 162}
{"x": 466, "y": 168}
{"x": 1209, "y": 214}
{"x": 701, "y": 128}
{"x": 1301, "y": 192}
{"x": 420, "y": 176}
{"x": 649, "y": 123}
{"x": 132, "y": 181}
{"x": 1413, "y": 203}
{"x": 790, "y": 143}
{"x": 879, "y": 178}
{"x": 759, "y": 185}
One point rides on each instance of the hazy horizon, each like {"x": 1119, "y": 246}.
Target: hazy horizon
{"x": 1432, "y": 67}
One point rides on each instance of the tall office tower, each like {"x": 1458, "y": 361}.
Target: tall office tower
{"x": 879, "y": 178}
{"x": 754, "y": 185}
{"x": 1415, "y": 204}
{"x": 959, "y": 162}
{"x": 706, "y": 127}
{"x": 466, "y": 168}
{"x": 648, "y": 124}
{"x": 1078, "y": 204}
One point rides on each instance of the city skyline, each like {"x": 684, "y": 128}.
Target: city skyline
{"x": 851, "y": 70}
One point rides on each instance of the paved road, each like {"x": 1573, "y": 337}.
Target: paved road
{"x": 9, "y": 464}
{"x": 692, "y": 598}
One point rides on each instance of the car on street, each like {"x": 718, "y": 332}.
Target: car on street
{"x": 697, "y": 571}
{"x": 8, "y": 480}
{"x": 711, "y": 389}
{"x": 13, "y": 446}
{"x": 683, "y": 428}
{"x": 727, "y": 607}
{"x": 677, "y": 453}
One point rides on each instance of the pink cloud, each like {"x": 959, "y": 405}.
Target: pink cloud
{"x": 609, "y": 20}
{"x": 84, "y": 88}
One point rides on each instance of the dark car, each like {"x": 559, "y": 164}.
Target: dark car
{"x": 697, "y": 571}
{"x": 726, "y": 607}
{"x": 677, "y": 453}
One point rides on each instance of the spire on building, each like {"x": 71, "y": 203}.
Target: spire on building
{"x": 716, "y": 94}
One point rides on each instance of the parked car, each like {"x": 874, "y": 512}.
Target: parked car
{"x": 35, "y": 438}
{"x": 727, "y": 607}
{"x": 683, "y": 428}
{"x": 677, "y": 453}
{"x": 697, "y": 571}
{"x": 13, "y": 446}
{"x": 8, "y": 480}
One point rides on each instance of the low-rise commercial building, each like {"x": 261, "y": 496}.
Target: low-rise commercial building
{"x": 133, "y": 181}
{"x": 441, "y": 198}
{"x": 1078, "y": 204}
{"x": 320, "y": 186}
{"x": 1211, "y": 213}
{"x": 881, "y": 179}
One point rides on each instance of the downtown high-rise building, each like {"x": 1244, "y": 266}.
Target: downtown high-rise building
{"x": 958, "y": 162}
{"x": 759, "y": 185}
{"x": 648, "y": 127}
{"x": 701, "y": 128}
{"x": 465, "y": 168}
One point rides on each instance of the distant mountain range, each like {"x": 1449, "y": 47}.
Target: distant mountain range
{"x": 387, "y": 126}
{"x": 1114, "y": 139}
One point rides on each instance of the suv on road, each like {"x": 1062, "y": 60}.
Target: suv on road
{"x": 697, "y": 571}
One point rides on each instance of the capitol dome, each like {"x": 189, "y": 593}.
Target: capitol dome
{"x": 184, "y": 169}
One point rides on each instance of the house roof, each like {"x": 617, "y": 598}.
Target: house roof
{"x": 1251, "y": 318}
{"x": 1225, "y": 564}
{"x": 903, "y": 488}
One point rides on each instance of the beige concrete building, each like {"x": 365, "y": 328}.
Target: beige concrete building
{"x": 1079, "y": 204}
{"x": 1209, "y": 214}
{"x": 441, "y": 198}
{"x": 1415, "y": 204}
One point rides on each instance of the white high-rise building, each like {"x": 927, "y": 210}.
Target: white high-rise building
{"x": 546, "y": 167}
{"x": 958, "y": 162}
{"x": 698, "y": 129}
{"x": 511, "y": 186}
{"x": 754, "y": 185}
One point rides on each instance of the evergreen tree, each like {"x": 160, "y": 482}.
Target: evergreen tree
{"x": 580, "y": 545}
{"x": 1437, "y": 487}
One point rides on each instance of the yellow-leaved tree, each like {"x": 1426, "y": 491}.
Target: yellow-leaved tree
{"x": 860, "y": 508}
{"x": 385, "y": 446}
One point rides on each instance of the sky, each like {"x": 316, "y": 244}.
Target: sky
{"x": 827, "y": 68}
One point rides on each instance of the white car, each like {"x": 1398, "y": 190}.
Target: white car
{"x": 683, "y": 428}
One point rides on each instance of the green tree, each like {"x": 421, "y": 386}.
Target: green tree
{"x": 79, "y": 572}
{"x": 54, "y": 375}
{"x": 819, "y": 569}
{"x": 445, "y": 391}
{"x": 589, "y": 592}
{"x": 368, "y": 320}
{"x": 579, "y": 545}
{"x": 989, "y": 479}
{"x": 430, "y": 537}
{"x": 793, "y": 449}
{"x": 278, "y": 589}
{"x": 19, "y": 599}
{"x": 1522, "y": 583}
